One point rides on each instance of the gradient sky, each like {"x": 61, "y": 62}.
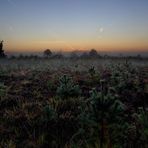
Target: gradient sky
{"x": 106, "y": 25}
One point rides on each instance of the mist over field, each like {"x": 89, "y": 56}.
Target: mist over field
{"x": 78, "y": 52}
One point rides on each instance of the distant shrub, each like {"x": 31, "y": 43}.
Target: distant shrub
{"x": 74, "y": 55}
{"x": 2, "y": 89}
{"x": 92, "y": 71}
{"x": 84, "y": 55}
{"x": 58, "y": 56}
{"x": 94, "y": 76}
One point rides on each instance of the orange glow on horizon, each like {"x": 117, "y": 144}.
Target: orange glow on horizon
{"x": 100, "y": 45}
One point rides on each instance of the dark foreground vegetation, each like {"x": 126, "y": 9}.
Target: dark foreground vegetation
{"x": 99, "y": 106}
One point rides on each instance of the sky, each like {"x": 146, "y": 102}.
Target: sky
{"x": 105, "y": 25}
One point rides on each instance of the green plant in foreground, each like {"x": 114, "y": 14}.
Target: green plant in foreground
{"x": 101, "y": 121}
{"x": 143, "y": 118}
{"x": 67, "y": 88}
{"x": 106, "y": 110}
{"x": 49, "y": 113}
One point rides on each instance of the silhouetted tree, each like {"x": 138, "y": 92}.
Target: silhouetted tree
{"x": 1, "y": 45}
{"x": 2, "y": 54}
{"x": 93, "y": 53}
{"x": 47, "y": 53}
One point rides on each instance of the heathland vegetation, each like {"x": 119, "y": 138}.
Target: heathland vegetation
{"x": 87, "y": 101}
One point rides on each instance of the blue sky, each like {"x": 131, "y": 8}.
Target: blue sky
{"x": 74, "y": 24}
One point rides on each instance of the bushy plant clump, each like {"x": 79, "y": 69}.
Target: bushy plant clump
{"x": 67, "y": 88}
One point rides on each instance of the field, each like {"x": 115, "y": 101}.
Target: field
{"x": 69, "y": 103}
